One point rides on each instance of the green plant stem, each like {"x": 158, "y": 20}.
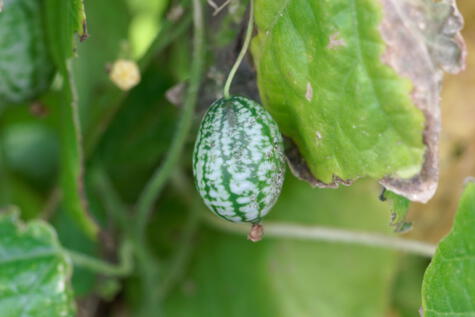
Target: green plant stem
{"x": 182, "y": 256}
{"x": 119, "y": 213}
{"x": 124, "y": 268}
{"x": 318, "y": 233}
{"x": 242, "y": 53}
{"x": 309, "y": 233}
{"x": 184, "y": 247}
{"x": 54, "y": 197}
{"x": 146, "y": 264}
{"x": 72, "y": 167}
{"x": 149, "y": 272}
{"x": 159, "y": 178}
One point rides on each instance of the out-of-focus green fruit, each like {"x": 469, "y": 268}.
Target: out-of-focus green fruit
{"x": 26, "y": 69}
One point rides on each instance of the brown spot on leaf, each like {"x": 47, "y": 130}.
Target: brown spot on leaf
{"x": 336, "y": 41}
{"x": 309, "y": 92}
{"x": 38, "y": 109}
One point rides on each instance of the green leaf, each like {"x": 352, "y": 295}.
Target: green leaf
{"x": 321, "y": 75}
{"x": 399, "y": 209}
{"x": 230, "y": 276}
{"x": 64, "y": 20}
{"x": 34, "y": 271}
{"x": 448, "y": 288}
{"x": 147, "y": 16}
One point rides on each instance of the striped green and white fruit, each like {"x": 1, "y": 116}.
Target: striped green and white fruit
{"x": 238, "y": 161}
{"x": 25, "y": 66}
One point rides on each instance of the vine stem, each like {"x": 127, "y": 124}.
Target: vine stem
{"x": 242, "y": 53}
{"x": 156, "y": 183}
{"x": 181, "y": 257}
{"x": 320, "y": 233}
{"x": 146, "y": 264}
{"x": 123, "y": 268}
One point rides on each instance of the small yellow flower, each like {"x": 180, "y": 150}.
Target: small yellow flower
{"x": 125, "y": 74}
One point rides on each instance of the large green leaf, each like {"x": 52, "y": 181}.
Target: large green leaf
{"x": 231, "y": 276}
{"x": 348, "y": 82}
{"x": 34, "y": 271}
{"x": 321, "y": 75}
{"x": 449, "y": 283}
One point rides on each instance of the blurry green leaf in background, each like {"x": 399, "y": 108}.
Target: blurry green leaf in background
{"x": 145, "y": 23}
{"x": 230, "y": 276}
{"x": 34, "y": 271}
{"x": 449, "y": 282}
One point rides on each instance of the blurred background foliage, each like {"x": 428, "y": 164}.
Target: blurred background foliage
{"x": 126, "y": 136}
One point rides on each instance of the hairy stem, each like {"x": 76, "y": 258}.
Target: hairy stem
{"x": 72, "y": 168}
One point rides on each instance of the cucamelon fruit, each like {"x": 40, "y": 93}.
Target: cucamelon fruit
{"x": 238, "y": 160}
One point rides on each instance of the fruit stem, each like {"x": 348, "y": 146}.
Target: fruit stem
{"x": 242, "y": 53}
